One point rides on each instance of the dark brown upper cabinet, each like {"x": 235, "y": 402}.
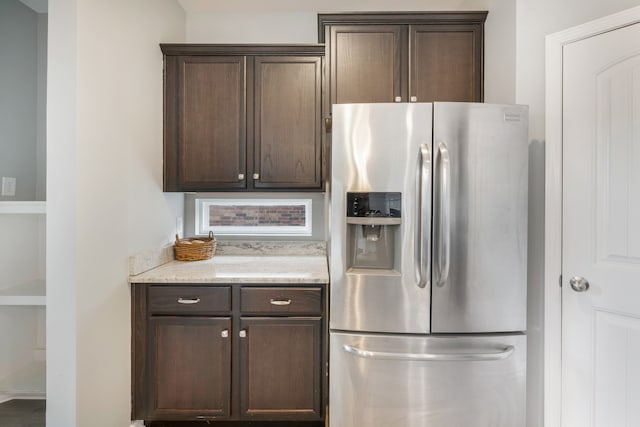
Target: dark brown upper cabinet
{"x": 286, "y": 122}
{"x": 242, "y": 117}
{"x": 403, "y": 57}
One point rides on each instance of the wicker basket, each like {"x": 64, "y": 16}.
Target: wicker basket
{"x": 195, "y": 248}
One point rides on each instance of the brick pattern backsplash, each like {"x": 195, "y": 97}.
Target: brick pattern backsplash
{"x": 248, "y": 216}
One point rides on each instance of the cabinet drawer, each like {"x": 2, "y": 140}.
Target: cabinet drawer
{"x": 189, "y": 299}
{"x": 283, "y": 300}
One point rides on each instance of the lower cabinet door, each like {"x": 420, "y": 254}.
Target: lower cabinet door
{"x": 281, "y": 368}
{"x": 189, "y": 372}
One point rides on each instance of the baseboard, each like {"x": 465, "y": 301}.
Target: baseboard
{"x": 22, "y": 396}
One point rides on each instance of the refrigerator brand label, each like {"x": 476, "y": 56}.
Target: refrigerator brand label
{"x": 511, "y": 117}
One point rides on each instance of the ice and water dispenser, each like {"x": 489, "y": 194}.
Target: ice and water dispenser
{"x": 373, "y": 230}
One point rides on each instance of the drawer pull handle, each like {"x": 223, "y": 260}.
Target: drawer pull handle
{"x": 280, "y": 301}
{"x": 188, "y": 300}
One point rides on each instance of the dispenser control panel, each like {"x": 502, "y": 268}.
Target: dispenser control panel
{"x": 374, "y": 204}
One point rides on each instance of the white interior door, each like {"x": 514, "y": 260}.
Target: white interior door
{"x": 601, "y": 230}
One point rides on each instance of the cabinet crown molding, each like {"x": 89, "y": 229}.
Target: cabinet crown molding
{"x": 241, "y": 49}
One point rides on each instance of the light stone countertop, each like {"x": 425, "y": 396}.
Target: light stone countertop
{"x": 286, "y": 269}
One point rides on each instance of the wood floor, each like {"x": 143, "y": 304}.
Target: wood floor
{"x": 22, "y": 413}
{"x": 236, "y": 424}
{"x": 31, "y": 413}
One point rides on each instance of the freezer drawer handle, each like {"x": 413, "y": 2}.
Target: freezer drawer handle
{"x": 431, "y": 357}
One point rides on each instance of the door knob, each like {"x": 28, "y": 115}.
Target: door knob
{"x": 579, "y": 284}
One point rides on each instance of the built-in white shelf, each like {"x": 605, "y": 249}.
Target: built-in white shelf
{"x": 24, "y": 300}
{"x": 29, "y": 293}
{"x": 26, "y": 207}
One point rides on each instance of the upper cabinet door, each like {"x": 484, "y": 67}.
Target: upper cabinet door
{"x": 366, "y": 63}
{"x": 403, "y": 57}
{"x": 446, "y": 63}
{"x": 243, "y": 117}
{"x": 205, "y": 131}
{"x": 287, "y": 111}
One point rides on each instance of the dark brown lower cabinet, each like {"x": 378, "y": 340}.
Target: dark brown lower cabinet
{"x": 189, "y": 367}
{"x": 228, "y": 355}
{"x": 279, "y": 375}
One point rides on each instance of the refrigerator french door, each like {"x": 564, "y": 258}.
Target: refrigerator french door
{"x": 428, "y": 264}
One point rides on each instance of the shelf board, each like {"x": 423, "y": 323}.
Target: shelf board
{"x": 23, "y": 300}
{"x": 25, "y": 207}
{"x": 29, "y": 293}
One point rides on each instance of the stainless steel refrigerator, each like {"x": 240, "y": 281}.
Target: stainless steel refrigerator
{"x": 428, "y": 269}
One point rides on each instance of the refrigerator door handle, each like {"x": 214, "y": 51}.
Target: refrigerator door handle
{"x": 501, "y": 354}
{"x": 422, "y": 244}
{"x": 445, "y": 214}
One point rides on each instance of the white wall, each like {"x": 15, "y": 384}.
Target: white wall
{"x": 41, "y": 109}
{"x": 535, "y": 20}
{"x": 500, "y": 53}
{"x": 105, "y": 197}
{"x": 115, "y": 145}
{"x": 61, "y": 234}
{"x": 19, "y": 96}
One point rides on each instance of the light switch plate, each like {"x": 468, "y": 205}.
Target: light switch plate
{"x": 179, "y": 227}
{"x": 8, "y": 186}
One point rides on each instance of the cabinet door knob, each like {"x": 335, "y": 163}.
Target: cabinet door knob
{"x": 397, "y": 99}
{"x": 414, "y": 99}
{"x": 243, "y": 333}
{"x": 224, "y": 333}
{"x": 240, "y": 176}
{"x": 327, "y": 124}
{"x": 256, "y": 176}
